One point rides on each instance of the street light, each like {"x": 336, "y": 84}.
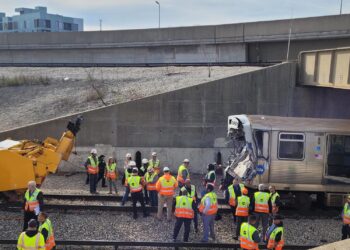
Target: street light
{"x": 158, "y": 13}
{"x": 341, "y": 7}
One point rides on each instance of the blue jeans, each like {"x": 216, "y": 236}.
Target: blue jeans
{"x": 153, "y": 198}
{"x": 208, "y": 227}
{"x": 126, "y": 195}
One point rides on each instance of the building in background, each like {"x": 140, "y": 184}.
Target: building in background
{"x": 38, "y": 20}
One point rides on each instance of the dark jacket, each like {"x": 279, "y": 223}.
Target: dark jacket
{"x": 31, "y": 233}
{"x": 101, "y": 166}
{"x": 45, "y": 233}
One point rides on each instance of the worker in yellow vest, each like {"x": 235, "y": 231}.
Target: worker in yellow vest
{"x": 33, "y": 203}
{"x": 127, "y": 174}
{"x": 275, "y": 200}
{"x": 346, "y": 219}
{"x": 275, "y": 234}
{"x": 46, "y": 230}
{"x": 135, "y": 184}
{"x": 249, "y": 236}
{"x": 111, "y": 174}
{"x": 154, "y": 163}
{"x": 91, "y": 166}
{"x": 183, "y": 173}
{"x": 31, "y": 238}
{"x": 184, "y": 214}
{"x": 261, "y": 205}
{"x": 208, "y": 208}
{"x": 192, "y": 193}
{"x": 151, "y": 178}
{"x": 165, "y": 186}
{"x": 242, "y": 210}
{"x": 232, "y": 193}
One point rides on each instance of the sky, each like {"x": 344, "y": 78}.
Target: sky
{"x": 138, "y": 14}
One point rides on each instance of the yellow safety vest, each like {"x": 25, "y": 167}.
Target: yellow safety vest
{"x": 242, "y": 208}
{"x": 179, "y": 173}
{"x": 36, "y": 242}
{"x": 246, "y": 236}
{"x": 272, "y": 244}
{"x": 261, "y": 202}
{"x": 50, "y": 241}
{"x": 92, "y": 168}
{"x": 111, "y": 171}
{"x": 183, "y": 208}
{"x": 134, "y": 182}
{"x": 213, "y": 204}
{"x": 149, "y": 178}
{"x": 31, "y": 201}
{"x": 232, "y": 194}
{"x": 346, "y": 214}
{"x": 192, "y": 193}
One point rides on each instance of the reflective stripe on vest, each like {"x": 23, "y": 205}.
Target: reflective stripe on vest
{"x": 273, "y": 201}
{"x": 31, "y": 243}
{"x": 242, "y": 208}
{"x": 92, "y": 168}
{"x": 31, "y": 201}
{"x": 50, "y": 241}
{"x": 167, "y": 187}
{"x": 213, "y": 204}
{"x": 127, "y": 175}
{"x": 246, "y": 237}
{"x": 232, "y": 194}
{"x": 261, "y": 202}
{"x": 149, "y": 178}
{"x": 179, "y": 174}
{"x": 208, "y": 177}
{"x": 135, "y": 183}
{"x": 272, "y": 240}
{"x": 183, "y": 208}
{"x": 192, "y": 194}
{"x": 111, "y": 171}
{"x": 155, "y": 165}
{"x": 346, "y": 214}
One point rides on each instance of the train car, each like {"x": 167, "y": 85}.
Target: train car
{"x": 305, "y": 157}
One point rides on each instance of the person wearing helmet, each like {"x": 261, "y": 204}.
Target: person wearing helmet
{"x": 151, "y": 179}
{"x": 91, "y": 166}
{"x": 183, "y": 173}
{"x": 128, "y": 158}
{"x": 154, "y": 163}
{"x": 127, "y": 174}
{"x": 242, "y": 210}
{"x": 142, "y": 173}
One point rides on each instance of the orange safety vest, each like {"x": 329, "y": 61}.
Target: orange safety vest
{"x": 261, "y": 202}
{"x": 246, "y": 237}
{"x": 92, "y": 168}
{"x": 111, "y": 171}
{"x": 179, "y": 174}
{"x": 272, "y": 244}
{"x": 166, "y": 185}
{"x": 155, "y": 165}
{"x": 183, "y": 208}
{"x": 232, "y": 194}
{"x": 213, "y": 204}
{"x": 149, "y": 178}
{"x": 31, "y": 201}
{"x": 242, "y": 208}
{"x": 134, "y": 182}
{"x": 346, "y": 214}
{"x": 50, "y": 241}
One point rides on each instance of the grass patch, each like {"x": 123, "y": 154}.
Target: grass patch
{"x": 23, "y": 80}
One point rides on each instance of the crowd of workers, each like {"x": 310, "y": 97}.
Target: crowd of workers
{"x": 147, "y": 184}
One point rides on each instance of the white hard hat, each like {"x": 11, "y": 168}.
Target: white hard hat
{"x": 144, "y": 161}
{"x": 128, "y": 155}
{"x": 132, "y": 163}
{"x": 154, "y": 153}
{"x": 93, "y": 151}
{"x": 186, "y": 160}
{"x": 165, "y": 169}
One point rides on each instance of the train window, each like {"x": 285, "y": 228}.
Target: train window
{"x": 291, "y": 146}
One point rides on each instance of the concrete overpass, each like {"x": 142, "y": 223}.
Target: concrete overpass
{"x": 229, "y": 43}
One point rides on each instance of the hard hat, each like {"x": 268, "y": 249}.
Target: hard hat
{"x": 128, "y": 155}
{"x": 132, "y": 164}
{"x": 93, "y": 151}
{"x": 186, "y": 161}
{"x": 144, "y": 161}
{"x": 166, "y": 169}
{"x": 244, "y": 191}
{"x": 154, "y": 154}
{"x": 135, "y": 170}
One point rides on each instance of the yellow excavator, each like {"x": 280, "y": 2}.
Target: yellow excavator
{"x": 26, "y": 160}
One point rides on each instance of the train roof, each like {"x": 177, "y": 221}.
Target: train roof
{"x": 299, "y": 124}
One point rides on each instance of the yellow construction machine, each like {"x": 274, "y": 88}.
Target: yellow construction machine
{"x": 26, "y": 160}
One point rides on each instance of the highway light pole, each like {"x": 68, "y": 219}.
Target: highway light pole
{"x": 158, "y": 13}
{"x": 341, "y": 7}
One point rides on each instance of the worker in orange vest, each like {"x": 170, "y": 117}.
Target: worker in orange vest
{"x": 346, "y": 219}
{"x": 249, "y": 235}
{"x": 242, "y": 210}
{"x": 151, "y": 178}
{"x": 33, "y": 203}
{"x": 91, "y": 166}
{"x": 166, "y": 189}
{"x": 261, "y": 205}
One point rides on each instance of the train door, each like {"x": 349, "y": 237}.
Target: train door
{"x": 262, "y": 141}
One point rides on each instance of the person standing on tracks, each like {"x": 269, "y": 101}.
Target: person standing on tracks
{"x": 135, "y": 184}
{"x": 184, "y": 213}
{"x": 151, "y": 179}
{"x": 154, "y": 163}
{"x": 111, "y": 174}
{"x": 249, "y": 235}
{"x": 232, "y": 193}
{"x": 261, "y": 205}
{"x": 208, "y": 208}
{"x": 46, "y": 230}
{"x": 142, "y": 173}
{"x": 166, "y": 186}
{"x": 183, "y": 173}
{"x": 91, "y": 165}
{"x": 31, "y": 238}
{"x": 275, "y": 234}
{"x": 101, "y": 170}
{"x": 127, "y": 174}
{"x": 346, "y": 219}
{"x": 242, "y": 210}
{"x": 275, "y": 200}
{"x": 210, "y": 178}
{"x": 33, "y": 203}
{"x": 192, "y": 193}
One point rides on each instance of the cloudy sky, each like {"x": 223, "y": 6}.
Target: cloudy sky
{"x": 133, "y": 14}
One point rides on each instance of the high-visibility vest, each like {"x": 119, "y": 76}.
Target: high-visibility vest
{"x": 31, "y": 201}
{"x": 111, "y": 171}
{"x": 179, "y": 174}
{"x": 261, "y": 202}
{"x": 242, "y": 208}
{"x": 155, "y": 165}
{"x": 50, "y": 241}
{"x": 134, "y": 182}
{"x": 192, "y": 194}
{"x": 92, "y": 168}
{"x": 246, "y": 237}
{"x": 272, "y": 244}
{"x": 273, "y": 201}
{"x": 36, "y": 242}
{"x": 213, "y": 203}
{"x": 232, "y": 194}
{"x": 183, "y": 208}
{"x": 167, "y": 187}
{"x": 346, "y": 214}
{"x": 208, "y": 176}
{"x": 149, "y": 178}
{"x": 127, "y": 175}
